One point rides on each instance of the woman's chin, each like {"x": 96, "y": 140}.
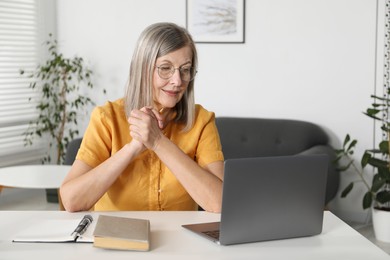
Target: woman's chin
{"x": 168, "y": 104}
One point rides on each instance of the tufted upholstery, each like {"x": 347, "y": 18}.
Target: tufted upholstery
{"x": 255, "y": 137}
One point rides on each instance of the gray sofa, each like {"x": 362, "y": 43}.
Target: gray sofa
{"x": 256, "y": 137}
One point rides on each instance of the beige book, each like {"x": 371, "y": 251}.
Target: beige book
{"x": 122, "y": 233}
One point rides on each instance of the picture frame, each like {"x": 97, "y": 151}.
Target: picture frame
{"x": 216, "y": 21}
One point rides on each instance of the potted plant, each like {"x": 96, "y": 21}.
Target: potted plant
{"x": 377, "y": 196}
{"x": 59, "y": 81}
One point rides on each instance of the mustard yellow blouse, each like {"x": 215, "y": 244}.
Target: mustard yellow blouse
{"x": 147, "y": 184}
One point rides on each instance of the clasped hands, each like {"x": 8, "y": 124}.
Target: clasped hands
{"x": 145, "y": 127}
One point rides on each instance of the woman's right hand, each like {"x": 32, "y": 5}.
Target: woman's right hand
{"x": 137, "y": 145}
{"x": 135, "y": 128}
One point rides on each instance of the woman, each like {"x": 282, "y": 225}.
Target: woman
{"x": 154, "y": 149}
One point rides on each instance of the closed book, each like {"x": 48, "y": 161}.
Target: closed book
{"x": 122, "y": 233}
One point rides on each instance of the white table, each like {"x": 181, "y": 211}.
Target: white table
{"x": 34, "y": 176}
{"x": 43, "y": 176}
{"x": 170, "y": 241}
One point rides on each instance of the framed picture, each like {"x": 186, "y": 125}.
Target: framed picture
{"x": 216, "y": 21}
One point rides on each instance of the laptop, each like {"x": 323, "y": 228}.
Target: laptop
{"x": 269, "y": 198}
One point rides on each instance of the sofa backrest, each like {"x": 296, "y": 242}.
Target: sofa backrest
{"x": 71, "y": 150}
{"x": 257, "y": 137}
{"x": 253, "y": 137}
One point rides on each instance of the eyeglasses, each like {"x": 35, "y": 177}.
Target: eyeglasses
{"x": 166, "y": 71}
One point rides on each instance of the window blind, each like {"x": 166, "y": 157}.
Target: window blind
{"x": 19, "y": 49}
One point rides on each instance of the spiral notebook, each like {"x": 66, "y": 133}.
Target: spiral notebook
{"x": 56, "y": 231}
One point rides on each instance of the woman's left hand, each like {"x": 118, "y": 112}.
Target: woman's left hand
{"x": 145, "y": 126}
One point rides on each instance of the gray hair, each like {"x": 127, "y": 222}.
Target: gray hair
{"x": 155, "y": 41}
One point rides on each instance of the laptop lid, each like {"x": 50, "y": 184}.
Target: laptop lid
{"x": 270, "y": 198}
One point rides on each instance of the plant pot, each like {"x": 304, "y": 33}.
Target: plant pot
{"x": 381, "y": 224}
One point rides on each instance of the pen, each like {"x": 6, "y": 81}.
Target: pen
{"x": 82, "y": 226}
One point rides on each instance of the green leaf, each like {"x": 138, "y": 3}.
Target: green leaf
{"x": 367, "y": 200}
{"x": 383, "y": 197}
{"x": 377, "y": 183}
{"x": 365, "y": 159}
{"x": 347, "y": 190}
{"x": 373, "y": 117}
{"x": 372, "y": 111}
{"x": 384, "y": 173}
{"x": 384, "y": 147}
{"x": 352, "y": 145}
{"x": 346, "y": 140}
{"x": 377, "y": 162}
{"x": 380, "y": 98}
{"x": 386, "y": 128}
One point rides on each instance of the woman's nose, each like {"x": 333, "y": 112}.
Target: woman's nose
{"x": 176, "y": 77}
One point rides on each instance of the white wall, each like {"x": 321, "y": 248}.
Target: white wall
{"x": 302, "y": 59}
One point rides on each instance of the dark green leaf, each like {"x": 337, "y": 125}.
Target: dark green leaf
{"x": 377, "y": 183}
{"x": 372, "y": 116}
{"x": 384, "y": 147}
{"x": 367, "y": 200}
{"x": 346, "y": 140}
{"x": 366, "y": 157}
{"x": 383, "y": 197}
{"x": 384, "y": 173}
{"x": 372, "y": 112}
{"x": 380, "y": 98}
{"x": 352, "y": 145}
{"x": 377, "y": 162}
{"x": 347, "y": 190}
